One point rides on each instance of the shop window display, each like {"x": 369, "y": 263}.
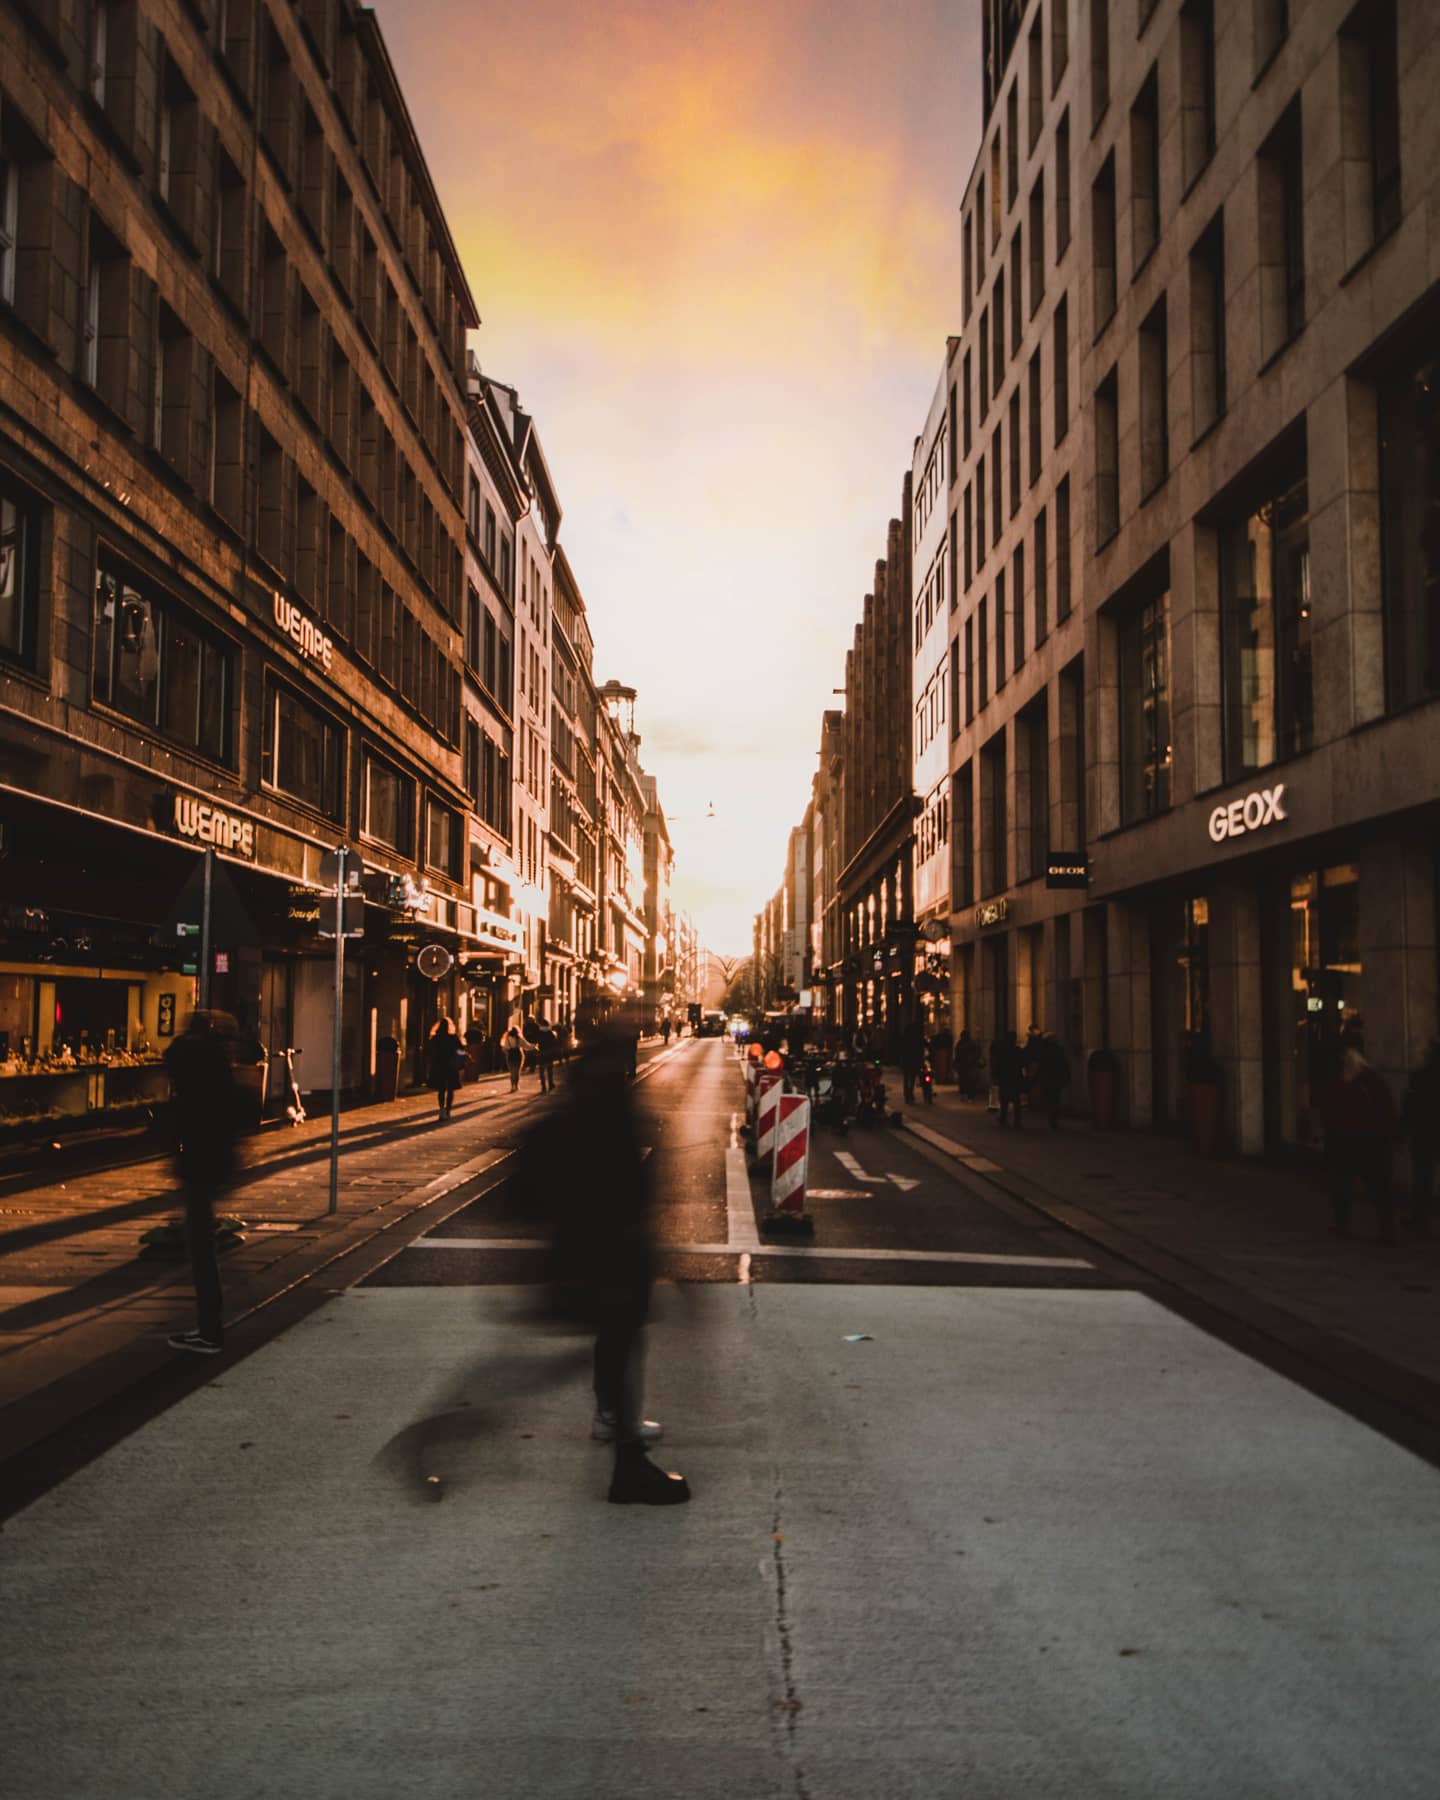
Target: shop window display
{"x": 1325, "y": 976}
{"x": 1266, "y": 629}
{"x": 158, "y": 666}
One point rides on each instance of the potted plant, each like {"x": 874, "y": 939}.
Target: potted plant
{"x": 1103, "y": 1072}
{"x": 1204, "y": 1089}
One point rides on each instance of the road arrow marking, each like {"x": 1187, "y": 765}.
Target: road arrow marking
{"x": 904, "y": 1183}
{"x": 848, "y": 1161}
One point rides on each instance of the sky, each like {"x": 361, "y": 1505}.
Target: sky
{"x": 716, "y": 248}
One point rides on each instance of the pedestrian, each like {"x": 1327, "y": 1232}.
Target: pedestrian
{"x": 1052, "y": 1076}
{"x": 941, "y": 1046}
{"x": 446, "y": 1063}
{"x": 912, "y": 1055}
{"x": 204, "y": 1119}
{"x": 1007, "y": 1064}
{"x": 513, "y": 1044}
{"x": 665, "y": 1031}
{"x": 969, "y": 1064}
{"x": 583, "y": 1170}
{"x": 1360, "y": 1127}
{"x": 547, "y": 1046}
{"x": 1421, "y": 1114}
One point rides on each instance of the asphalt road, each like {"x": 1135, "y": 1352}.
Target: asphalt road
{"x": 971, "y": 1517}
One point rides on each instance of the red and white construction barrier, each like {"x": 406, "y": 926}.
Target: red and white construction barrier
{"x": 771, "y": 1086}
{"x": 792, "y": 1151}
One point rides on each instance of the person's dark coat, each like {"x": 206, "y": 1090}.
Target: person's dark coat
{"x": 1008, "y": 1068}
{"x": 204, "y": 1107}
{"x": 446, "y": 1060}
{"x": 912, "y": 1047}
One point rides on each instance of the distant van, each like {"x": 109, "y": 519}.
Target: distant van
{"x": 712, "y": 1024}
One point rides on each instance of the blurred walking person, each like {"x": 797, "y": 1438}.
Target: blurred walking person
{"x": 1421, "y": 1113}
{"x": 1052, "y": 1077}
{"x": 546, "y": 1046}
{"x": 1361, "y": 1121}
{"x": 447, "y": 1063}
{"x": 205, "y": 1119}
{"x": 513, "y": 1044}
{"x": 582, "y": 1170}
{"x": 1007, "y": 1063}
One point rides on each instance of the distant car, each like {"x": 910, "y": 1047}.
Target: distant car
{"x": 738, "y": 1028}
{"x": 712, "y": 1024}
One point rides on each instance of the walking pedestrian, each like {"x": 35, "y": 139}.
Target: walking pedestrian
{"x": 583, "y": 1168}
{"x": 969, "y": 1064}
{"x": 447, "y": 1063}
{"x": 1421, "y": 1114}
{"x": 941, "y": 1047}
{"x": 546, "y": 1047}
{"x": 1008, "y": 1067}
{"x": 1360, "y": 1126}
{"x": 665, "y": 1031}
{"x": 912, "y": 1055}
{"x": 1052, "y": 1076}
{"x": 513, "y": 1044}
{"x": 204, "y": 1117}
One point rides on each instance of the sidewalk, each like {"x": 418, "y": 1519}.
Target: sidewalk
{"x": 84, "y": 1316}
{"x": 1248, "y": 1239}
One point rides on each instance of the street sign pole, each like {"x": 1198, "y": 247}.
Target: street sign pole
{"x": 209, "y": 865}
{"x": 340, "y": 855}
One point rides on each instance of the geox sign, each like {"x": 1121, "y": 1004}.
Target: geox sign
{"x": 1265, "y": 806}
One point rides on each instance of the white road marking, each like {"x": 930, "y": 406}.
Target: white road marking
{"x": 938, "y": 1140}
{"x": 904, "y": 1183}
{"x": 847, "y": 1254}
{"x": 836, "y": 1194}
{"x": 849, "y": 1162}
{"x": 743, "y": 1273}
{"x": 739, "y": 1211}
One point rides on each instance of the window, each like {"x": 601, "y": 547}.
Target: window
{"x": 969, "y": 541}
{"x": 1197, "y": 89}
{"x": 1062, "y": 550}
{"x": 979, "y": 233}
{"x": 969, "y": 670}
{"x": 388, "y": 813}
{"x": 982, "y": 645}
{"x": 1145, "y": 170}
{"x": 1037, "y": 243}
{"x": 1012, "y": 143}
{"x": 177, "y": 134}
{"x": 997, "y": 488}
{"x": 965, "y": 411}
{"x": 984, "y": 364}
{"x": 997, "y": 341}
{"x": 1154, "y": 401}
{"x": 980, "y": 514}
{"x": 1034, "y": 432}
{"x": 1017, "y": 575}
{"x": 1107, "y": 459}
{"x": 1015, "y": 450}
{"x": 1001, "y": 672}
{"x": 1369, "y": 126}
{"x": 1266, "y": 626}
{"x": 1062, "y": 185}
{"x": 1102, "y": 213}
{"x": 472, "y": 508}
{"x": 304, "y": 752}
{"x": 1042, "y": 578}
{"x": 19, "y": 571}
{"x": 1099, "y": 60}
{"x": 1272, "y": 27}
{"x": 155, "y": 663}
{"x": 105, "y": 316}
{"x": 471, "y": 764}
{"x": 1060, "y": 331}
{"x": 1035, "y": 85}
{"x": 473, "y": 615}
{"x": 1032, "y": 741}
{"x": 963, "y": 867}
{"x": 9, "y": 208}
{"x": 1282, "y": 235}
{"x": 1409, "y": 505}
{"x": 994, "y": 811}
{"x": 1017, "y": 295}
{"x": 1143, "y": 634}
{"x": 442, "y": 839}
{"x": 996, "y": 209}
{"x": 969, "y": 261}
{"x": 1059, "y": 41}
{"x": 505, "y": 582}
{"x": 1207, "y": 326}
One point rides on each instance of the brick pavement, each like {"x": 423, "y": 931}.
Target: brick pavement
{"x": 1249, "y": 1238}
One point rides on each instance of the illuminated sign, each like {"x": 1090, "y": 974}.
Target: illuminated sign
{"x": 306, "y": 636}
{"x": 1067, "y": 869}
{"x": 497, "y": 932}
{"x": 1264, "y": 806}
{"x": 207, "y": 824}
{"x": 991, "y": 912}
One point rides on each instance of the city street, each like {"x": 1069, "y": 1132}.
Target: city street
{"x": 973, "y": 1513}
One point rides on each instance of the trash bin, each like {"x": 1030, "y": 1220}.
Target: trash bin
{"x": 387, "y": 1068}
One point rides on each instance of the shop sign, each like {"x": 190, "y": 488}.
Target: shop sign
{"x": 991, "y": 912}
{"x": 497, "y": 932}
{"x": 302, "y": 906}
{"x": 1067, "y": 869}
{"x": 1264, "y": 806}
{"x": 198, "y": 819}
{"x": 304, "y": 633}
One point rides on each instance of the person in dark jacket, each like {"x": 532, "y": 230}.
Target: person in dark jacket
{"x": 912, "y": 1055}
{"x": 582, "y": 1171}
{"x": 546, "y": 1047}
{"x": 1052, "y": 1076}
{"x": 1008, "y": 1067}
{"x": 446, "y": 1063}
{"x": 1421, "y": 1114}
{"x": 969, "y": 1065}
{"x": 205, "y": 1118}
{"x": 1360, "y": 1127}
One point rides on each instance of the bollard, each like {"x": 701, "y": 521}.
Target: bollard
{"x": 770, "y": 1088}
{"x": 792, "y": 1151}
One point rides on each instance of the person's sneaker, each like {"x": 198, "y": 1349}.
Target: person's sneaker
{"x": 195, "y": 1343}
{"x": 637, "y": 1482}
{"x": 603, "y": 1429}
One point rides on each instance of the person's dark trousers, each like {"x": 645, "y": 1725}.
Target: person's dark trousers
{"x": 514, "y": 1066}
{"x": 204, "y": 1269}
{"x": 446, "y": 1096}
{"x": 1366, "y": 1159}
{"x": 547, "y": 1077}
{"x": 1422, "y": 1183}
{"x": 1050, "y": 1099}
{"x": 1009, "y": 1098}
{"x": 619, "y": 1368}
{"x": 910, "y": 1075}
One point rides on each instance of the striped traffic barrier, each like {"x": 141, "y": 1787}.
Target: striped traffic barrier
{"x": 792, "y": 1153}
{"x": 772, "y": 1085}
